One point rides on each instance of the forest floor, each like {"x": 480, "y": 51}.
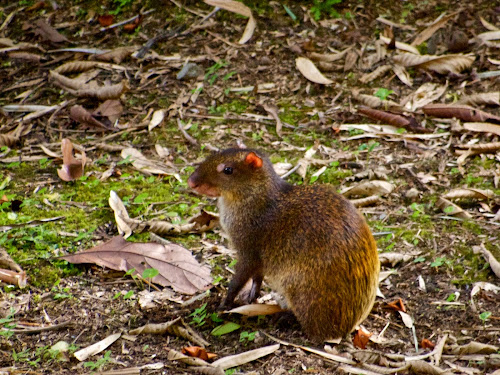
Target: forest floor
{"x": 405, "y": 111}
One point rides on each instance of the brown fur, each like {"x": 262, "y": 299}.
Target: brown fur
{"x": 309, "y": 242}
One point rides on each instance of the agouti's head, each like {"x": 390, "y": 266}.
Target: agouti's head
{"x": 231, "y": 172}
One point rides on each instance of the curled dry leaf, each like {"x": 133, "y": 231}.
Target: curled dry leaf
{"x": 76, "y": 67}
{"x": 407, "y": 319}
{"x": 473, "y": 347}
{"x": 242, "y": 10}
{"x": 403, "y": 74}
{"x": 176, "y": 265}
{"x": 375, "y": 102}
{"x": 470, "y": 193}
{"x": 198, "y": 352}
{"x": 393, "y": 258}
{"x": 72, "y": 168}
{"x": 81, "y": 115}
{"x": 462, "y": 112}
{"x": 483, "y": 127}
{"x": 425, "y": 94}
{"x": 370, "y": 188}
{"x": 400, "y": 121}
{"x": 143, "y": 164}
{"x": 103, "y": 92}
{"x": 111, "y": 109}
{"x": 8, "y": 139}
{"x": 491, "y": 98}
{"x": 242, "y": 358}
{"x": 256, "y": 309}
{"x": 153, "y": 329}
{"x": 400, "y": 45}
{"x": 156, "y": 119}
{"x": 489, "y": 257}
{"x": 482, "y": 147}
{"x": 379, "y": 72}
{"x": 174, "y": 355}
{"x": 368, "y": 201}
{"x": 117, "y": 55}
{"x": 361, "y": 338}
{"x": 121, "y": 215}
{"x": 435, "y": 26}
{"x": 441, "y": 64}
{"x": 47, "y": 32}
{"x": 330, "y": 57}
{"x": 452, "y": 209}
{"x": 310, "y": 71}
{"x": 96, "y": 348}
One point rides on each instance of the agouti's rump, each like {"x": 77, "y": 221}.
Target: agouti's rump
{"x": 309, "y": 242}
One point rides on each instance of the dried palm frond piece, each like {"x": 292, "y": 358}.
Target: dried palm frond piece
{"x": 440, "y": 64}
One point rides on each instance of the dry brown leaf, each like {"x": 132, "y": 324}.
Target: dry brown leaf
{"x": 245, "y": 357}
{"x": 47, "y": 32}
{"x": 156, "y": 119}
{"x": 393, "y": 258}
{"x": 491, "y": 98}
{"x": 461, "y": 112}
{"x": 273, "y": 111}
{"x": 117, "y": 55}
{"x": 72, "y": 168}
{"x": 5, "y": 259}
{"x": 350, "y": 60}
{"x": 451, "y": 208}
{"x": 174, "y": 355}
{"x": 483, "y": 127}
{"x": 65, "y": 82}
{"x": 330, "y": 57}
{"x": 370, "y": 188}
{"x": 176, "y": 265}
{"x": 368, "y": 201}
{"x": 112, "y": 109}
{"x": 154, "y": 328}
{"x": 241, "y": 9}
{"x": 96, "y": 348}
{"x": 309, "y": 70}
{"x": 76, "y": 67}
{"x": 470, "y": 194}
{"x": 256, "y": 309}
{"x": 379, "y": 72}
{"x": 441, "y": 64}
{"x": 489, "y": 257}
{"x": 121, "y": 215}
{"x": 375, "y": 102}
{"x": 480, "y": 148}
{"x": 8, "y": 139}
{"x": 473, "y": 347}
{"x": 143, "y": 164}
{"x": 489, "y": 35}
{"x": 425, "y": 94}
{"x": 102, "y": 92}
{"x": 105, "y": 20}
{"x": 400, "y": 45}
{"x": 402, "y": 74}
{"x": 81, "y": 115}
{"x": 435, "y": 26}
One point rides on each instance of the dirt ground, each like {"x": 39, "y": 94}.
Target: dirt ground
{"x": 434, "y": 282}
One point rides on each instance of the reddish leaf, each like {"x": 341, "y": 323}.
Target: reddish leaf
{"x": 396, "y": 305}
{"x": 72, "y": 168}
{"x": 198, "y": 352}
{"x": 176, "y": 265}
{"x": 408, "y": 123}
{"x": 461, "y": 112}
{"x": 361, "y": 338}
{"x": 427, "y": 344}
{"x": 105, "y": 20}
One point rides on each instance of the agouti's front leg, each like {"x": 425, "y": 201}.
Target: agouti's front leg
{"x": 243, "y": 272}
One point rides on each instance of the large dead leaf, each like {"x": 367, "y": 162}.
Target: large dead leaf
{"x": 484, "y": 127}
{"x": 310, "y": 71}
{"x": 72, "y": 168}
{"x": 441, "y": 64}
{"x": 492, "y": 98}
{"x": 241, "y": 9}
{"x": 245, "y": 357}
{"x": 142, "y": 163}
{"x": 435, "y": 26}
{"x": 176, "y": 265}
{"x": 96, "y": 348}
{"x": 81, "y": 115}
{"x": 370, "y": 188}
{"x": 256, "y": 309}
{"x": 425, "y": 94}
{"x": 47, "y": 32}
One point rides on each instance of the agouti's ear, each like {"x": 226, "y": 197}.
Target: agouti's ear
{"x": 253, "y": 160}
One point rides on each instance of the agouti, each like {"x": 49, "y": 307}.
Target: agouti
{"x": 310, "y": 243}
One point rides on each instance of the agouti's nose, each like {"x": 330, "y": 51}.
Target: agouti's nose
{"x": 192, "y": 184}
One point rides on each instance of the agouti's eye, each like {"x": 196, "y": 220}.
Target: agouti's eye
{"x": 228, "y": 170}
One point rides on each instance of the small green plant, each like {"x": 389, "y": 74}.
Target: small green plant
{"x": 6, "y": 323}
{"x": 199, "y": 315}
{"x": 106, "y": 358}
{"x": 438, "y": 262}
{"x": 225, "y": 328}
{"x": 120, "y": 4}
{"x": 211, "y": 75}
{"x": 246, "y": 336}
{"x": 383, "y": 94}
{"x": 484, "y": 316}
{"x": 321, "y": 8}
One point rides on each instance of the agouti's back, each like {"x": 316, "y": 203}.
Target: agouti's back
{"x": 310, "y": 243}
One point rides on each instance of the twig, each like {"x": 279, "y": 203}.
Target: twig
{"x": 39, "y": 329}
{"x": 190, "y": 139}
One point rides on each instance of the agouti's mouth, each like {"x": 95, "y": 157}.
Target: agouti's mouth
{"x": 204, "y": 189}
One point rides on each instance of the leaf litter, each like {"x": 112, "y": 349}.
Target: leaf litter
{"x": 441, "y": 130}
